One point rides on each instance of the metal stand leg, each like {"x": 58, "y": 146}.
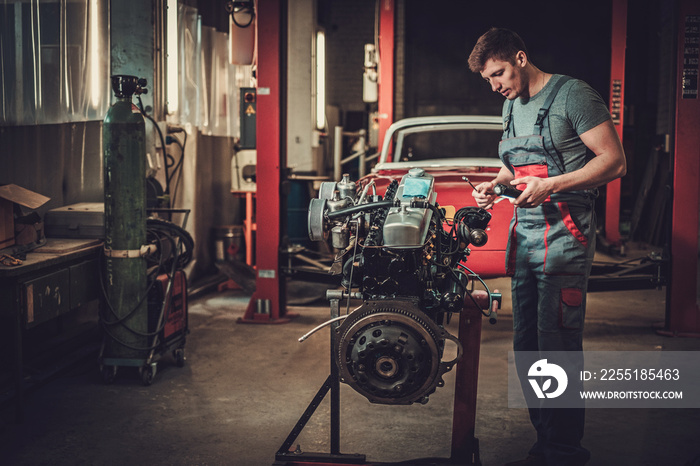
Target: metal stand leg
{"x": 335, "y": 382}
{"x": 465, "y": 446}
{"x": 286, "y": 457}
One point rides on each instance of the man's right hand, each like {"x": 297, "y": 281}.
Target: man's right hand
{"x": 484, "y": 195}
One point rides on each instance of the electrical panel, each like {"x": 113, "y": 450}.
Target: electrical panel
{"x": 248, "y": 117}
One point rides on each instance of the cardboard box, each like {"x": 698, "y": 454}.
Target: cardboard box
{"x": 11, "y": 194}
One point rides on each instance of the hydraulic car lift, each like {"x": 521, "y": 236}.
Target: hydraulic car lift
{"x": 268, "y": 303}
{"x": 683, "y": 313}
{"x": 617, "y": 105}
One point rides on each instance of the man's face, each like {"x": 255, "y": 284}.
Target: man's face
{"x": 505, "y": 78}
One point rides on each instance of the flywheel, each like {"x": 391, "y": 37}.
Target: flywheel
{"x": 390, "y": 352}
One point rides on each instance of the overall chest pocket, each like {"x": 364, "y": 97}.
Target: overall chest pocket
{"x": 525, "y": 156}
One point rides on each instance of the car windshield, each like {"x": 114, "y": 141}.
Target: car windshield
{"x": 448, "y": 143}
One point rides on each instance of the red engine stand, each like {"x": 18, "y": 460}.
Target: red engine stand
{"x": 465, "y": 446}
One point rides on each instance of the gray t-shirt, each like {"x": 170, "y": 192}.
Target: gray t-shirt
{"x": 576, "y": 109}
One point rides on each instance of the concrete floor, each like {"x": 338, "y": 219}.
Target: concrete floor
{"x": 244, "y": 387}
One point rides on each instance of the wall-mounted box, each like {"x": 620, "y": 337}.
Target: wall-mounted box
{"x": 243, "y": 171}
{"x": 248, "y": 117}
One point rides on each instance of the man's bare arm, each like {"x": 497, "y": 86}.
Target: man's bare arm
{"x": 608, "y": 164}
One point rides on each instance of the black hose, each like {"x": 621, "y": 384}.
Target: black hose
{"x": 162, "y": 144}
{"x": 177, "y": 170}
{"x": 181, "y": 247}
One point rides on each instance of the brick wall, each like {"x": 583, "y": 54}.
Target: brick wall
{"x": 349, "y": 25}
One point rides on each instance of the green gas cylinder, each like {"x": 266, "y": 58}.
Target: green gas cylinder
{"x": 125, "y": 310}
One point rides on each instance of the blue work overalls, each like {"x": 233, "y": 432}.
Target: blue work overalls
{"x": 549, "y": 256}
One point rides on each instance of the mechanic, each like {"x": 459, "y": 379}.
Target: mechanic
{"x": 559, "y": 144}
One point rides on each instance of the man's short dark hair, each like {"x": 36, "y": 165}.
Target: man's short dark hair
{"x": 497, "y": 43}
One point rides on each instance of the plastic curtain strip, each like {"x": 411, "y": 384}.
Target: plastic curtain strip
{"x": 190, "y": 49}
{"x": 54, "y": 59}
{"x": 217, "y": 111}
{"x": 209, "y": 85}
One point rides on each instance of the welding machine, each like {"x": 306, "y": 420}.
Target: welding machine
{"x": 168, "y": 316}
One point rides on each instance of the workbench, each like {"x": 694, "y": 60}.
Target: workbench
{"x": 56, "y": 278}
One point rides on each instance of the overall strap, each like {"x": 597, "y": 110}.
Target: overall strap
{"x": 542, "y": 118}
{"x": 542, "y": 114}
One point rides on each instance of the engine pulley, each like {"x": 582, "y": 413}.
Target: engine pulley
{"x": 390, "y": 352}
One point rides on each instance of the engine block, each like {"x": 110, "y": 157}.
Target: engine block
{"x": 405, "y": 259}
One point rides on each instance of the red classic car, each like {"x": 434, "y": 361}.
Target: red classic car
{"x": 451, "y": 148}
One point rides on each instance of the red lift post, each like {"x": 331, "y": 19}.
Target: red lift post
{"x": 617, "y": 106}
{"x": 385, "y": 88}
{"x": 268, "y": 303}
{"x": 682, "y": 315}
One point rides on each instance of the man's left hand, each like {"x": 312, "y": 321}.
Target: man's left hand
{"x": 537, "y": 190}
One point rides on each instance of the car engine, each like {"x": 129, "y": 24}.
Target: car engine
{"x": 404, "y": 255}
